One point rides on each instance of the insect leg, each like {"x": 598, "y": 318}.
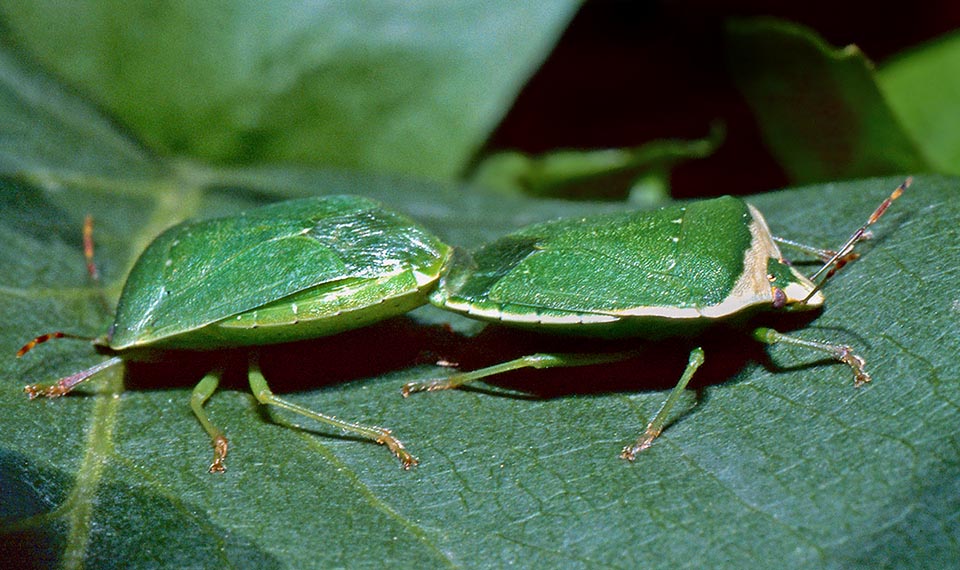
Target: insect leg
{"x": 539, "y": 360}
{"x": 201, "y": 393}
{"x": 258, "y": 384}
{"x": 655, "y": 427}
{"x": 839, "y": 352}
{"x": 67, "y": 383}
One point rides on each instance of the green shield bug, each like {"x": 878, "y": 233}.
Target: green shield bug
{"x": 289, "y": 271}
{"x": 649, "y": 275}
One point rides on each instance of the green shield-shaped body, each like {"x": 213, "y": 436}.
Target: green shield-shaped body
{"x": 643, "y": 274}
{"x": 638, "y": 273}
{"x": 288, "y": 271}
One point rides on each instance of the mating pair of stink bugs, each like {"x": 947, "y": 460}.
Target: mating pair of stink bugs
{"x": 317, "y": 267}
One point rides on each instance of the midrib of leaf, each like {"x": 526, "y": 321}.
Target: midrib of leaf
{"x": 175, "y": 200}
{"x": 79, "y": 506}
{"x": 172, "y": 204}
{"x": 66, "y": 293}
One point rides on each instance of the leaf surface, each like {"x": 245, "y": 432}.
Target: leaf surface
{"x": 923, "y": 87}
{"x": 779, "y": 461}
{"x": 819, "y": 108}
{"x": 390, "y": 87}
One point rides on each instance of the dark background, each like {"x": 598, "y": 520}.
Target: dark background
{"x": 651, "y": 70}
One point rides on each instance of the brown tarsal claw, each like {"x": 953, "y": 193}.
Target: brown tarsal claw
{"x": 51, "y": 391}
{"x": 857, "y": 363}
{"x": 219, "y": 454}
{"x": 407, "y": 461}
{"x": 413, "y": 387}
{"x": 393, "y": 444}
{"x": 630, "y": 452}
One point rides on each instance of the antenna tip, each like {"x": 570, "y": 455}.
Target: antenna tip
{"x": 899, "y": 190}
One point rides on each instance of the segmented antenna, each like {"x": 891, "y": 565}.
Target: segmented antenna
{"x": 846, "y": 251}
{"x": 88, "y": 248}
{"x": 94, "y": 277}
{"x": 48, "y": 336}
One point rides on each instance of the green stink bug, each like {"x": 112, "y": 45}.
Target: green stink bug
{"x": 284, "y": 272}
{"x": 648, "y": 275}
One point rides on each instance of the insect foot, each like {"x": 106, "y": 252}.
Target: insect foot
{"x": 630, "y": 452}
{"x": 219, "y": 454}
{"x": 857, "y": 363}
{"x": 430, "y": 386}
{"x": 393, "y": 444}
{"x": 659, "y": 421}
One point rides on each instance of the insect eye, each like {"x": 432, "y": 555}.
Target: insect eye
{"x": 779, "y": 298}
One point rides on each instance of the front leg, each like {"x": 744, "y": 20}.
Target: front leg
{"x": 839, "y": 352}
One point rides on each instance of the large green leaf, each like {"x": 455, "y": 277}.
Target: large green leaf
{"x": 781, "y": 462}
{"x": 923, "y": 87}
{"x": 405, "y": 87}
{"x": 819, "y": 108}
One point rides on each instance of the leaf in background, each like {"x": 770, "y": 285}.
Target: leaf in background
{"x": 781, "y": 459}
{"x": 819, "y": 108}
{"x": 612, "y": 174}
{"x": 46, "y": 129}
{"x": 923, "y": 88}
{"x": 391, "y": 87}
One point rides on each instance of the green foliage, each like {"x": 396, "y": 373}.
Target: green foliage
{"x": 923, "y": 87}
{"x": 413, "y": 88}
{"x": 779, "y": 462}
{"x": 829, "y": 113}
{"x": 820, "y": 109}
{"x": 610, "y": 173}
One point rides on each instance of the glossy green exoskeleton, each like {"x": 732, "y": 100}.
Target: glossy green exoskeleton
{"x": 289, "y": 271}
{"x": 649, "y": 275}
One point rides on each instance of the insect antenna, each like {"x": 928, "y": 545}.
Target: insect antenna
{"x": 48, "y": 336}
{"x": 88, "y": 248}
{"x": 845, "y": 253}
{"x": 94, "y": 275}
{"x": 92, "y": 270}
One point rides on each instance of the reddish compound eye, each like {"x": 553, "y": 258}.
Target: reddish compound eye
{"x": 779, "y": 298}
